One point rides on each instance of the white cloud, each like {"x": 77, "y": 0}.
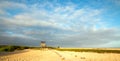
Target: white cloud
{"x": 2, "y": 12}
{"x": 12, "y": 5}
{"x": 67, "y": 18}
{"x": 111, "y": 44}
{"x": 84, "y": 26}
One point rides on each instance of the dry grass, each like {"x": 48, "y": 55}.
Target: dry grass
{"x": 97, "y": 50}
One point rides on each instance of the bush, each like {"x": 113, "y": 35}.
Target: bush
{"x": 7, "y": 48}
{"x": 12, "y": 48}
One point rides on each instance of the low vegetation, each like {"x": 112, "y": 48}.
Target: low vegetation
{"x": 91, "y": 50}
{"x": 97, "y": 50}
{"x": 12, "y": 48}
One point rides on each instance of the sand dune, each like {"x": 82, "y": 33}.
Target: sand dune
{"x": 53, "y": 55}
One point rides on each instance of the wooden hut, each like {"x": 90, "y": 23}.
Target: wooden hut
{"x": 43, "y": 44}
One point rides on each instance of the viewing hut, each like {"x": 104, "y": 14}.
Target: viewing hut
{"x": 43, "y": 44}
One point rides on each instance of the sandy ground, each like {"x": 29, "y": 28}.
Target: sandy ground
{"x": 53, "y": 55}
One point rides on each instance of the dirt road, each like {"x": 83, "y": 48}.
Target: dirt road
{"x": 53, "y": 55}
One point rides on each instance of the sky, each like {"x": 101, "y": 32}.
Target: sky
{"x": 64, "y": 23}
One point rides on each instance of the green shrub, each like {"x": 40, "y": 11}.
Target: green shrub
{"x": 7, "y": 48}
{"x": 12, "y": 48}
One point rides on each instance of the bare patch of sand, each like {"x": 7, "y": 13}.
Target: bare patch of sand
{"x": 53, "y": 55}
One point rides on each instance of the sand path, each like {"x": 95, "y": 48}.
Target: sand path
{"x": 53, "y": 55}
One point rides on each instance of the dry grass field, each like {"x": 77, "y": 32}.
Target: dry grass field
{"x": 55, "y": 55}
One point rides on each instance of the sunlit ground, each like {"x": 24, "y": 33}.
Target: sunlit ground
{"x": 55, "y": 55}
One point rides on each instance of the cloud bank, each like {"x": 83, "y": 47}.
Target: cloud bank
{"x": 59, "y": 25}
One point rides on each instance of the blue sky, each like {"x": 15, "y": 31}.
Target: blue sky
{"x": 65, "y": 23}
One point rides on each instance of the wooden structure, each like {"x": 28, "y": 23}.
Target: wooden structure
{"x": 43, "y": 44}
